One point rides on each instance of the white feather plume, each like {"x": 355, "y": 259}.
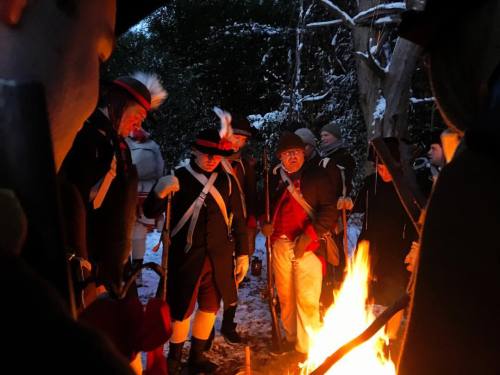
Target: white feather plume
{"x": 226, "y": 130}
{"x": 156, "y": 89}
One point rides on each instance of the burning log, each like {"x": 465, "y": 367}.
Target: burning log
{"x": 373, "y": 328}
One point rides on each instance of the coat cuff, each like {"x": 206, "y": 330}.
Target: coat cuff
{"x": 311, "y": 232}
{"x": 251, "y": 222}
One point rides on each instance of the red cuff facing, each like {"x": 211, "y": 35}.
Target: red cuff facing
{"x": 251, "y": 222}
{"x": 314, "y": 245}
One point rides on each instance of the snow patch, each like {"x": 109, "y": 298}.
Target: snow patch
{"x": 379, "y": 111}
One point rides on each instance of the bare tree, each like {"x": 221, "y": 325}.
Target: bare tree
{"x": 385, "y": 63}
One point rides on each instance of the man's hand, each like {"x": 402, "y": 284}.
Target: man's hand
{"x": 345, "y": 203}
{"x": 241, "y": 268}
{"x": 411, "y": 257}
{"x": 301, "y": 243}
{"x": 166, "y": 185}
{"x": 267, "y": 229}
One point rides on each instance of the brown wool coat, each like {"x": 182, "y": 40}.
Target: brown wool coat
{"x": 210, "y": 239}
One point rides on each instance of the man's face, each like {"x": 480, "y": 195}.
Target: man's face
{"x": 436, "y": 155}
{"x": 207, "y": 162}
{"x": 238, "y": 141}
{"x": 132, "y": 118}
{"x": 384, "y": 173}
{"x": 292, "y": 159}
{"x": 64, "y": 51}
{"x": 327, "y": 138}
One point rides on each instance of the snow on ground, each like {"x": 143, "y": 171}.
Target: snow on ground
{"x": 252, "y": 316}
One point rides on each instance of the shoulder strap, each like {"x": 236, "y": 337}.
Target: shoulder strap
{"x": 342, "y": 174}
{"x": 193, "y": 212}
{"x": 324, "y": 162}
{"x": 213, "y": 192}
{"x": 296, "y": 195}
{"x": 100, "y": 189}
{"x": 229, "y": 170}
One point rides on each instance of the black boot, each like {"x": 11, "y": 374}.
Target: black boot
{"x": 210, "y": 340}
{"x": 228, "y": 328}
{"x": 137, "y": 263}
{"x": 174, "y": 358}
{"x": 198, "y": 364}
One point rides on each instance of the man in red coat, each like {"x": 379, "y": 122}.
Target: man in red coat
{"x": 303, "y": 209}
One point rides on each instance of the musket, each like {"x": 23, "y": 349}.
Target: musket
{"x": 162, "y": 287}
{"x": 272, "y": 300}
{"x": 412, "y": 200}
{"x": 166, "y": 247}
{"x": 153, "y": 364}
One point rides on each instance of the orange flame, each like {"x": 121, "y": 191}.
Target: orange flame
{"x": 347, "y": 318}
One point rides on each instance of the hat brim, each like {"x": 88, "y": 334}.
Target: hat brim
{"x": 250, "y": 133}
{"x": 211, "y": 150}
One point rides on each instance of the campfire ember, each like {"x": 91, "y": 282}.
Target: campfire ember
{"x": 348, "y": 317}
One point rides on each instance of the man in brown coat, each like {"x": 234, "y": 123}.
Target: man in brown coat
{"x": 454, "y": 321}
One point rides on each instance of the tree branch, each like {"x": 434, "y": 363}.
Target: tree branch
{"x": 316, "y": 97}
{"x": 370, "y": 60}
{"x": 422, "y": 100}
{"x": 379, "y": 11}
{"x": 324, "y": 23}
{"x": 346, "y": 18}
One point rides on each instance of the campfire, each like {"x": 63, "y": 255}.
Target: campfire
{"x": 345, "y": 319}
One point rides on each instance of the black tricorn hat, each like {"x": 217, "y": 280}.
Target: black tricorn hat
{"x": 241, "y": 125}
{"x": 209, "y": 142}
{"x": 288, "y": 141}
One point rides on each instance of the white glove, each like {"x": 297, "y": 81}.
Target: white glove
{"x": 166, "y": 185}
{"x": 345, "y": 203}
{"x": 411, "y": 257}
{"x": 241, "y": 269}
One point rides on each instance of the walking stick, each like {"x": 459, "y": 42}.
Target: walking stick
{"x": 345, "y": 240}
{"x": 344, "y": 216}
{"x": 166, "y": 247}
{"x": 272, "y": 300}
{"x": 156, "y": 363}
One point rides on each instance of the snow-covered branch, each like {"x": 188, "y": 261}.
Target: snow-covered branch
{"x": 379, "y": 11}
{"x": 325, "y": 23}
{"x": 316, "y": 97}
{"x": 253, "y": 28}
{"x": 346, "y": 18}
{"x": 392, "y": 19}
{"x": 372, "y": 63}
{"x": 422, "y": 100}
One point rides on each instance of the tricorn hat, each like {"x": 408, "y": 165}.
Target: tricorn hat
{"x": 242, "y": 126}
{"x": 209, "y": 142}
{"x": 288, "y": 141}
{"x": 145, "y": 88}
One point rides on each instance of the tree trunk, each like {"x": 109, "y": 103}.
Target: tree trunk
{"x": 389, "y": 93}
{"x": 396, "y": 89}
{"x": 296, "y": 103}
{"x": 369, "y": 84}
